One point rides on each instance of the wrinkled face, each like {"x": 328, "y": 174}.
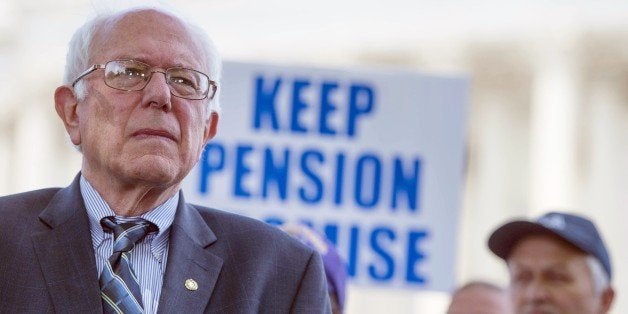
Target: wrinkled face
{"x": 550, "y": 276}
{"x": 480, "y": 300}
{"x": 148, "y": 136}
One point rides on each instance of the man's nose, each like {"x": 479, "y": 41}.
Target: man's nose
{"x": 157, "y": 91}
{"x": 537, "y": 291}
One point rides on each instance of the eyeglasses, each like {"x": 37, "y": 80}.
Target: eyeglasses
{"x": 131, "y": 75}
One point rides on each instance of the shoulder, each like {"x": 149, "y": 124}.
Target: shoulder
{"x": 26, "y": 202}
{"x": 249, "y": 233}
{"x": 20, "y": 213}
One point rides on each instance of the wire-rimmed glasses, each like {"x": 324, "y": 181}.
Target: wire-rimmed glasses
{"x": 132, "y": 75}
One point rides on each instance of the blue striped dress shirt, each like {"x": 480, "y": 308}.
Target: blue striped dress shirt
{"x": 149, "y": 256}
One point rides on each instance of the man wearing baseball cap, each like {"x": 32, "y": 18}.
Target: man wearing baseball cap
{"x": 557, "y": 263}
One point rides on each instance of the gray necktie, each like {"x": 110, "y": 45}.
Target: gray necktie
{"x": 120, "y": 290}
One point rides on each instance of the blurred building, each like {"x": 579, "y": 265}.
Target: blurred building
{"x": 548, "y": 121}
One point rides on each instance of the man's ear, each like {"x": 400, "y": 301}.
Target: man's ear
{"x": 607, "y": 299}
{"x": 66, "y": 105}
{"x": 212, "y": 127}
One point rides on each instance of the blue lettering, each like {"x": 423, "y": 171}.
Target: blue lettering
{"x": 274, "y": 221}
{"x": 361, "y": 100}
{"x": 316, "y": 193}
{"x": 327, "y": 107}
{"x": 372, "y": 163}
{"x": 212, "y": 159}
{"x": 352, "y": 268}
{"x": 277, "y": 173}
{"x": 415, "y": 256}
{"x": 340, "y": 165}
{"x": 242, "y": 170}
{"x": 406, "y": 183}
{"x": 389, "y": 263}
{"x": 298, "y": 105}
{"x": 331, "y": 233}
{"x": 265, "y": 100}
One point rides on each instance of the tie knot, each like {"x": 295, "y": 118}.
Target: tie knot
{"x": 127, "y": 233}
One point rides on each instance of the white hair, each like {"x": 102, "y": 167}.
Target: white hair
{"x": 80, "y": 47}
{"x": 600, "y": 278}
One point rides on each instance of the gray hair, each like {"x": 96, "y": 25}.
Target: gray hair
{"x": 600, "y": 278}
{"x": 80, "y": 48}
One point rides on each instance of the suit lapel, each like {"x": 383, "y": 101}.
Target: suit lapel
{"x": 188, "y": 260}
{"x": 66, "y": 255}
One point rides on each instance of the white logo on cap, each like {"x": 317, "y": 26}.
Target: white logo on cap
{"x": 553, "y": 222}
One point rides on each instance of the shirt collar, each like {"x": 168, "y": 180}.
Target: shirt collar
{"x": 162, "y": 216}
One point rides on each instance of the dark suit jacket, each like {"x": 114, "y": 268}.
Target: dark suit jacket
{"x": 241, "y": 265}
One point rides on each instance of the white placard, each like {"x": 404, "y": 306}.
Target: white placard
{"x": 373, "y": 160}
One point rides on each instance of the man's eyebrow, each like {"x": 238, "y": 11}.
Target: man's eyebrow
{"x": 559, "y": 265}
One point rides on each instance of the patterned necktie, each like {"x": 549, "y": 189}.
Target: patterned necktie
{"x": 120, "y": 290}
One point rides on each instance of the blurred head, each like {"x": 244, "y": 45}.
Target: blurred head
{"x": 150, "y": 136}
{"x": 558, "y": 263}
{"x": 335, "y": 267}
{"x": 550, "y": 275}
{"x": 479, "y": 298}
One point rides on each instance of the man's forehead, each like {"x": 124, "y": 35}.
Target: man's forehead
{"x": 544, "y": 251}
{"x": 546, "y": 242}
{"x": 120, "y": 34}
{"x": 541, "y": 264}
{"x": 144, "y": 15}
{"x": 132, "y": 22}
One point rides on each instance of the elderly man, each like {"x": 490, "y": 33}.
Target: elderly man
{"x": 558, "y": 263}
{"x": 479, "y": 297}
{"x": 139, "y": 101}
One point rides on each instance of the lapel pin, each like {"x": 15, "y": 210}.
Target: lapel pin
{"x": 191, "y": 285}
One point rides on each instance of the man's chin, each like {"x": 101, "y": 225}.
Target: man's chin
{"x": 154, "y": 169}
{"x": 541, "y": 310}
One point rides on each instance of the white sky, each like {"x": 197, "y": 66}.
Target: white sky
{"x": 246, "y": 28}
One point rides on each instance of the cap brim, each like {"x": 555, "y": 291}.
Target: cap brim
{"x": 502, "y": 240}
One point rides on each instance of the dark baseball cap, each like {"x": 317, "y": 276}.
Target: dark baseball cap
{"x": 577, "y": 230}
